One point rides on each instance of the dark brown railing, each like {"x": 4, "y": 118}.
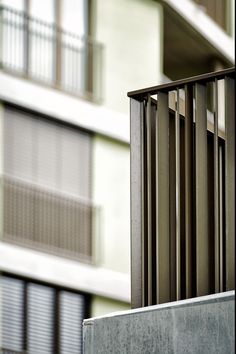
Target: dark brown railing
{"x": 183, "y": 189}
{"x": 47, "y": 221}
{"x": 47, "y": 54}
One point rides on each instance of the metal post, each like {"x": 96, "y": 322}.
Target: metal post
{"x": 137, "y": 209}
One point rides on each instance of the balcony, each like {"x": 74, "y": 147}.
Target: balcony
{"x": 47, "y": 221}
{"x": 193, "y": 43}
{"x": 204, "y": 325}
{"x": 218, "y": 10}
{"x": 9, "y": 351}
{"x": 48, "y": 55}
{"x": 183, "y": 189}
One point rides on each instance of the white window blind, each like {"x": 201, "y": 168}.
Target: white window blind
{"x": 12, "y": 313}
{"x": 40, "y": 319}
{"x": 47, "y": 153}
{"x": 71, "y": 317}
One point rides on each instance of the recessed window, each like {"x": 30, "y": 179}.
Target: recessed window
{"x": 40, "y": 319}
{"x": 47, "y": 185}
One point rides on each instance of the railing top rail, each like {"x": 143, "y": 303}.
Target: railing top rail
{"x": 52, "y": 26}
{"x": 142, "y": 94}
{"x": 50, "y": 192}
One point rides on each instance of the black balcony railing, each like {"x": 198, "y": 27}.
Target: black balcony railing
{"x": 47, "y": 54}
{"x": 183, "y": 189}
{"x": 47, "y": 220}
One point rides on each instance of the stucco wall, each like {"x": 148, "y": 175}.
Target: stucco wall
{"x": 101, "y": 306}
{"x": 1, "y": 168}
{"x": 111, "y": 185}
{"x": 131, "y": 32}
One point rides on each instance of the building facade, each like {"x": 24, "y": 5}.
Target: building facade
{"x": 64, "y": 149}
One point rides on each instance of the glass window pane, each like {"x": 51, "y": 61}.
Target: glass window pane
{"x": 12, "y": 36}
{"x": 73, "y": 16}
{"x": 73, "y": 51}
{"x": 42, "y": 9}
{"x": 15, "y": 4}
{"x": 42, "y": 40}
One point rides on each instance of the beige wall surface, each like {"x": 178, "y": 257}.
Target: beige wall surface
{"x": 111, "y": 191}
{"x": 1, "y": 168}
{"x": 131, "y": 32}
{"x": 101, "y": 306}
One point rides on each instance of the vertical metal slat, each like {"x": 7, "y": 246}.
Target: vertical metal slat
{"x": 188, "y": 187}
{"x": 144, "y": 241}
{"x": 137, "y": 212}
{"x": 149, "y": 201}
{"x": 202, "y": 258}
{"x": 177, "y": 153}
{"x": 230, "y": 181}
{"x": 162, "y": 210}
{"x": 216, "y": 191}
{"x": 221, "y": 218}
{"x": 172, "y": 196}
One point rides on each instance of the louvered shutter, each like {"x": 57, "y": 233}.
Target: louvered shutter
{"x": 40, "y": 319}
{"x": 71, "y": 316}
{"x": 46, "y": 153}
{"x": 54, "y": 157}
{"x": 12, "y": 291}
{"x": 75, "y": 162}
{"x": 19, "y": 140}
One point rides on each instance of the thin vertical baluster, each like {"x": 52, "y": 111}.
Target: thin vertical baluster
{"x": 230, "y": 181}
{"x": 137, "y": 203}
{"x": 202, "y": 244}
{"x": 149, "y": 199}
{"x": 221, "y": 221}
{"x": 216, "y": 189}
{"x": 177, "y": 154}
{"x": 189, "y": 188}
{"x": 162, "y": 197}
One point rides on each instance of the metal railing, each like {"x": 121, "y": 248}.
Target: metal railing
{"x": 10, "y": 351}
{"x": 47, "y": 54}
{"x": 183, "y": 189}
{"x": 47, "y": 221}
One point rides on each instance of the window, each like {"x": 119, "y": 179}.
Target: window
{"x": 41, "y": 319}
{"x": 47, "y": 185}
{"x": 48, "y": 42}
{"x": 47, "y": 153}
{"x": 12, "y": 307}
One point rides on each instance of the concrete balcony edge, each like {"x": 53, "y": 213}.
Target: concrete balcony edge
{"x": 198, "y": 325}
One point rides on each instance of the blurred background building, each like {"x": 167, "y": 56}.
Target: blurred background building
{"x": 66, "y": 66}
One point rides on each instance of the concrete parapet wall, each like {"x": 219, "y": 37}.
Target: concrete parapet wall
{"x": 203, "y": 325}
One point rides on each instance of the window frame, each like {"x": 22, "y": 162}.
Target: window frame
{"x": 56, "y": 309}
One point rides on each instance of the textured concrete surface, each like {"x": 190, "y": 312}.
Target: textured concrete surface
{"x": 203, "y": 325}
